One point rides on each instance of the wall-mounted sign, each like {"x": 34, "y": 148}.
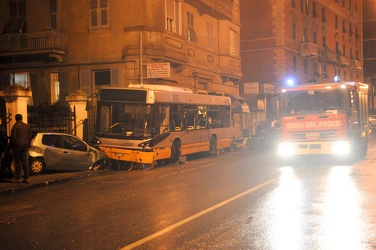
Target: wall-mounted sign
{"x": 158, "y": 70}
{"x": 268, "y": 88}
{"x": 251, "y": 88}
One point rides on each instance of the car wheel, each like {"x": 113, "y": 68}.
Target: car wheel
{"x": 37, "y": 166}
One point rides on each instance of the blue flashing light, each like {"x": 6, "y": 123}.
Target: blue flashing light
{"x": 290, "y": 82}
{"x": 337, "y": 79}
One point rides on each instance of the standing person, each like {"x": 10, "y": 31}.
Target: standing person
{"x": 4, "y": 170}
{"x": 20, "y": 143}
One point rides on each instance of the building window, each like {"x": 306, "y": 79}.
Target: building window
{"x": 343, "y": 3}
{"x": 302, "y": 6}
{"x": 324, "y": 41}
{"x": 336, "y": 1}
{"x": 17, "y": 17}
{"x": 293, "y": 31}
{"x": 173, "y": 16}
{"x": 344, "y": 26}
{"x": 314, "y": 11}
{"x": 98, "y": 14}
{"x": 306, "y": 2}
{"x": 209, "y": 30}
{"x": 53, "y": 14}
{"x": 294, "y": 67}
{"x": 54, "y": 87}
{"x": 191, "y": 36}
{"x": 351, "y": 54}
{"x": 323, "y": 17}
{"x": 233, "y": 42}
{"x": 102, "y": 77}
{"x": 316, "y": 72}
{"x": 324, "y": 72}
{"x": 293, "y": 3}
{"x": 336, "y": 22}
{"x": 344, "y": 49}
{"x": 22, "y": 79}
{"x": 305, "y": 67}
{"x": 314, "y": 37}
{"x": 350, "y": 30}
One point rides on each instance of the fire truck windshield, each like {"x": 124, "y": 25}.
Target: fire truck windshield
{"x": 318, "y": 101}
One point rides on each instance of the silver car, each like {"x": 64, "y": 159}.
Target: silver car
{"x": 61, "y": 151}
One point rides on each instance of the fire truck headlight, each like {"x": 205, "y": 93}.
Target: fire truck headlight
{"x": 341, "y": 148}
{"x": 286, "y": 149}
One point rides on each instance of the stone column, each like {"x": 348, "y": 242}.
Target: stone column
{"x": 77, "y": 101}
{"x": 16, "y": 98}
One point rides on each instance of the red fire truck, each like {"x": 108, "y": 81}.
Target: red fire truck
{"x": 328, "y": 118}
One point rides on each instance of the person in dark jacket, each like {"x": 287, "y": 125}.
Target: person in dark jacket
{"x": 5, "y": 167}
{"x": 20, "y": 143}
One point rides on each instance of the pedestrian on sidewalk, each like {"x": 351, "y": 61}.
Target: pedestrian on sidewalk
{"x": 20, "y": 143}
{"x": 5, "y": 170}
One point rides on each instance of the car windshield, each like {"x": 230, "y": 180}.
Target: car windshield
{"x": 327, "y": 101}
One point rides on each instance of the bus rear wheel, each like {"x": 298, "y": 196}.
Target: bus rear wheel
{"x": 213, "y": 150}
{"x": 175, "y": 152}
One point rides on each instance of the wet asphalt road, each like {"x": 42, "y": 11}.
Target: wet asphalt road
{"x": 239, "y": 200}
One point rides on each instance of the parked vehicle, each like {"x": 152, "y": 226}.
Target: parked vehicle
{"x": 64, "y": 152}
{"x": 372, "y": 118}
{"x": 267, "y": 134}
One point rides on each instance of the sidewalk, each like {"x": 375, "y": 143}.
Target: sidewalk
{"x": 45, "y": 180}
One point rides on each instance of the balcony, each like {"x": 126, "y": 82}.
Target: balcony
{"x": 328, "y": 56}
{"x": 357, "y": 64}
{"x": 219, "y": 9}
{"x": 343, "y": 60}
{"x": 309, "y": 49}
{"x": 44, "y": 46}
{"x": 354, "y": 15}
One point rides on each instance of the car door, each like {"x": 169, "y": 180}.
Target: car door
{"x": 76, "y": 155}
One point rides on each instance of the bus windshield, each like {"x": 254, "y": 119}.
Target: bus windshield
{"x": 125, "y": 120}
{"x": 322, "y": 101}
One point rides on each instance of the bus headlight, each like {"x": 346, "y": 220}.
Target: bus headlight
{"x": 286, "y": 149}
{"x": 341, "y": 148}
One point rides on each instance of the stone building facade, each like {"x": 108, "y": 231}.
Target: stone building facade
{"x": 55, "y": 47}
{"x": 304, "y": 41}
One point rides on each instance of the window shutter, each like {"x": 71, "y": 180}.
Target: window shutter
{"x": 85, "y": 81}
{"x": 115, "y": 78}
{"x": 63, "y": 80}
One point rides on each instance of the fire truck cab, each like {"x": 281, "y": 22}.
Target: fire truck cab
{"x": 327, "y": 118}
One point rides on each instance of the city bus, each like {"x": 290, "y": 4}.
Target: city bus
{"x": 143, "y": 124}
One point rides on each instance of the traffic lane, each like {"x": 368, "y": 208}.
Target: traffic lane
{"x": 116, "y": 210}
{"x": 311, "y": 206}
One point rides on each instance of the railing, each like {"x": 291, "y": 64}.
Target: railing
{"x": 51, "y": 118}
{"x": 327, "y": 55}
{"x": 213, "y": 7}
{"x": 31, "y": 41}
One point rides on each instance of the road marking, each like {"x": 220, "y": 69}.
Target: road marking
{"x": 193, "y": 169}
{"x": 195, "y": 216}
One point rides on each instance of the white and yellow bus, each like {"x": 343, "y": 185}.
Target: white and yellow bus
{"x": 142, "y": 125}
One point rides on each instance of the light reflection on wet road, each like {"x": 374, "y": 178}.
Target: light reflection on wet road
{"x": 327, "y": 210}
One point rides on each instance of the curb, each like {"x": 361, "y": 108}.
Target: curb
{"x": 44, "y": 183}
